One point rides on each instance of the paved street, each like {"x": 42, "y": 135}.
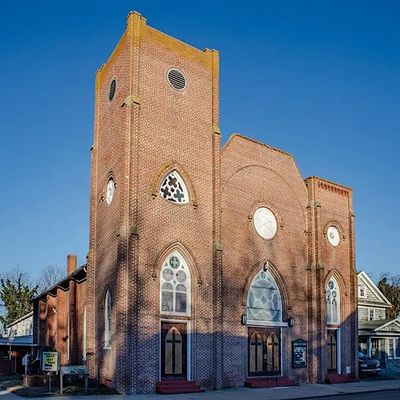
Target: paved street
{"x": 364, "y": 390}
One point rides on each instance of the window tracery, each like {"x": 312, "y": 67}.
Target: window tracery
{"x": 264, "y": 300}
{"x": 332, "y": 302}
{"x": 173, "y": 188}
{"x": 175, "y": 285}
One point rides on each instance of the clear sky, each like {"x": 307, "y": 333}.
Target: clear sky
{"x": 319, "y": 79}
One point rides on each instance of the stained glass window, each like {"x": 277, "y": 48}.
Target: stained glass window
{"x": 173, "y": 188}
{"x": 175, "y": 285}
{"x": 264, "y": 300}
{"x": 332, "y": 302}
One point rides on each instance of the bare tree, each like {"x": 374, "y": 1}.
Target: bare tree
{"x": 390, "y": 287}
{"x": 49, "y": 276}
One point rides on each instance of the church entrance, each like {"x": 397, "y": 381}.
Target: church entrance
{"x": 264, "y": 352}
{"x": 173, "y": 351}
{"x": 331, "y": 346}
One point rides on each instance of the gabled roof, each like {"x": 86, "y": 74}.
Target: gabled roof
{"x": 16, "y": 321}
{"x": 380, "y": 326}
{"x": 374, "y": 289}
{"x": 394, "y": 323}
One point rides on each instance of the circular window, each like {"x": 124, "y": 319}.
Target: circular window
{"x": 265, "y": 223}
{"x": 176, "y": 79}
{"x": 113, "y": 86}
{"x": 333, "y": 236}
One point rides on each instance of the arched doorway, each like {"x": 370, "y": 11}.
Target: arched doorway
{"x": 173, "y": 351}
{"x": 264, "y": 321}
{"x": 175, "y": 310}
{"x": 333, "y": 326}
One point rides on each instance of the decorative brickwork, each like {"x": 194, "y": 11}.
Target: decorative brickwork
{"x": 148, "y": 129}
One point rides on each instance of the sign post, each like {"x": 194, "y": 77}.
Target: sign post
{"x": 80, "y": 370}
{"x": 50, "y": 363}
{"x": 299, "y": 353}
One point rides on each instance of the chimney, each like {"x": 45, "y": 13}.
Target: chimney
{"x": 71, "y": 263}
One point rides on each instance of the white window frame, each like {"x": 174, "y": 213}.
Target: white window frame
{"x": 396, "y": 344}
{"x": 84, "y": 335}
{"x": 188, "y": 287}
{"x": 363, "y": 288}
{"x": 68, "y": 336}
{"x": 107, "y": 319}
{"x": 369, "y": 314}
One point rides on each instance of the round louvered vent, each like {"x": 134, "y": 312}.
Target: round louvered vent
{"x": 176, "y": 79}
{"x": 113, "y": 86}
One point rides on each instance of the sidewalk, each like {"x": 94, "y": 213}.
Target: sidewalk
{"x": 286, "y": 393}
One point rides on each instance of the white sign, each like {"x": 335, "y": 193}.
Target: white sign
{"x": 50, "y": 361}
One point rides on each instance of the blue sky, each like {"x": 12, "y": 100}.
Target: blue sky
{"x": 319, "y": 79}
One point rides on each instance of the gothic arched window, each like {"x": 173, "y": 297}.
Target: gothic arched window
{"x": 264, "y": 303}
{"x": 173, "y": 188}
{"x": 107, "y": 319}
{"x": 175, "y": 285}
{"x": 332, "y": 302}
{"x": 84, "y": 335}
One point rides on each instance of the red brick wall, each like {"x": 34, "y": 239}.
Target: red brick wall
{"x": 129, "y": 238}
{"x": 51, "y": 313}
{"x": 334, "y": 207}
{"x": 255, "y": 175}
{"x": 147, "y": 129}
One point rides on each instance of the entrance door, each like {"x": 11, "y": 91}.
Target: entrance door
{"x": 264, "y": 354}
{"x": 173, "y": 351}
{"x": 331, "y": 346}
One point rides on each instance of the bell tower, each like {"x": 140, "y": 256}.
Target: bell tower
{"x": 155, "y": 172}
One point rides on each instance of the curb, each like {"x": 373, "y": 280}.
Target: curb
{"x": 345, "y": 393}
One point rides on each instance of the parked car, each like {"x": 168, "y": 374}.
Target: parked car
{"x": 368, "y": 365}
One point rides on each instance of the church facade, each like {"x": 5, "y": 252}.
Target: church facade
{"x": 207, "y": 263}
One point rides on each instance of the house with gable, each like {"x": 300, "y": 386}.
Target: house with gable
{"x": 378, "y": 336}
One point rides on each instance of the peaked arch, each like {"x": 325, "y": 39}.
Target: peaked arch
{"x": 179, "y": 176}
{"x": 332, "y": 301}
{"x": 264, "y": 300}
{"x": 175, "y": 285}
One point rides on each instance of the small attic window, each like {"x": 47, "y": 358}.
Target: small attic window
{"x": 111, "y": 93}
{"x": 176, "y": 79}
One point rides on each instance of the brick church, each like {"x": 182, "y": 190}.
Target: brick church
{"x": 211, "y": 266}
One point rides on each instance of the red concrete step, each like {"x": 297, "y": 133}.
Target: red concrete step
{"x": 176, "y": 387}
{"x": 335, "y": 378}
{"x": 268, "y": 382}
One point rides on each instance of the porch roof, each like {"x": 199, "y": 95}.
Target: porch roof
{"x": 382, "y": 327}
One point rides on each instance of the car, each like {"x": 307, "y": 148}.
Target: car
{"x": 368, "y": 365}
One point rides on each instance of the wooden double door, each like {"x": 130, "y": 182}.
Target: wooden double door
{"x": 174, "y": 352}
{"x": 264, "y": 351}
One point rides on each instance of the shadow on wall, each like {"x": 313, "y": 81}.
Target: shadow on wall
{"x": 137, "y": 361}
